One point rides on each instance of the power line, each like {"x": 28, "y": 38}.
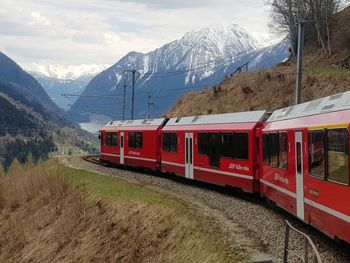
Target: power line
{"x": 91, "y": 96}
{"x": 165, "y": 74}
{"x": 224, "y": 62}
{"x": 207, "y": 63}
{"x": 95, "y": 106}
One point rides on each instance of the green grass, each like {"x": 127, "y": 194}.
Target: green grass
{"x": 119, "y": 190}
{"x": 329, "y": 71}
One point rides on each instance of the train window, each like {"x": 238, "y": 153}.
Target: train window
{"x": 203, "y": 143}
{"x": 170, "y": 142}
{"x": 227, "y": 145}
{"x": 135, "y": 140}
{"x": 138, "y": 140}
{"x": 166, "y": 142}
{"x": 338, "y": 156}
{"x": 266, "y": 148}
{"x": 111, "y": 139}
{"x": 108, "y": 138}
{"x": 241, "y": 146}
{"x": 214, "y": 149}
{"x": 173, "y": 142}
{"x": 102, "y": 138}
{"x": 275, "y": 150}
{"x": 274, "y": 147}
{"x": 114, "y": 139}
{"x": 131, "y": 139}
{"x": 317, "y": 154}
{"x": 299, "y": 160}
{"x": 283, "y": 151}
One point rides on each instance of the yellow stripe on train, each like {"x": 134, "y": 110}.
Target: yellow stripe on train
{"x": 332, "y": 126}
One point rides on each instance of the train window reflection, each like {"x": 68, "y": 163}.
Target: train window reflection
{"x": 283, "y": 151}
{"x": 338, "y": 156}
{"x": 316, "y": 154}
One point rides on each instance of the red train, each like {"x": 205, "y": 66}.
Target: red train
{"x": 298, "y": 157}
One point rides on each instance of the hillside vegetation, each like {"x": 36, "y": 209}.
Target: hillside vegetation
{"x": 31, "y": 124}
{"x": 272, "y": 89}
{"x": 52, "y": 213}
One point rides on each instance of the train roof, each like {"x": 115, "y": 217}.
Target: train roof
{"x": 133, "y": 123}
{"x": 236, "y": 117}
{"x": 328, "y": 104}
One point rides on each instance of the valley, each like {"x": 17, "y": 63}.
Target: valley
{"x": 168, "y": 131}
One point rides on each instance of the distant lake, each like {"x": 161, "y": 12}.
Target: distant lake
{"x": 92, "y": 127}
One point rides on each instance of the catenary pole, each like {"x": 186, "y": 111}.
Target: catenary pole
{"x": 301, "y": 27}
{"x": 134, "y": 73}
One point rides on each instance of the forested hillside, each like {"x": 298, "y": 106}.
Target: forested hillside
{"x": 31, "y": 124}
{"x": 21, "y": 134}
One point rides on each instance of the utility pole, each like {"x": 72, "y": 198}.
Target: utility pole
{"x": 301, "y": 27}
{"x": 124, "y": 101}
{"x": 150, "y": 103}
{"x": 134, "y": 72}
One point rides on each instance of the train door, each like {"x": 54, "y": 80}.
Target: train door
{"x": 189, "y": 155}
{"x": 122, "y": 148}
{"x": 299, "y": 174}
{"x": 214, "y": 149}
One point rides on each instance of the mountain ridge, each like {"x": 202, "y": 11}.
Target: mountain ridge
{"x": 65, "y": 72}
{"x": 11, "y": 72}
{"x": 55, "y": 87}
{"x": 199, "y": 59}
{"x": 323, "y": 75}
{"x": 31, "y": 123}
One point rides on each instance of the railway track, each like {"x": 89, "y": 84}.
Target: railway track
{"x": 265, "y": 221}
{"x": 95, "y": 159}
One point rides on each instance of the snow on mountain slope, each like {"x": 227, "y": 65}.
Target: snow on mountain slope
{"x": 58, "y": 79}
{"x": 199, "y": 59}
{"x": 55, "y": 87}
{"x": 66, "y": 72}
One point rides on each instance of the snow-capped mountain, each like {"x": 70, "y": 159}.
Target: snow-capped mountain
{"x": 199, "y": 59}
{"x": 59, "y": 79}
{"x": 65, "y": 72}
{"x": 55, "y": 87}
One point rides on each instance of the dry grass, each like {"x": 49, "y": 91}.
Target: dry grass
{"x": 45, "y": 217}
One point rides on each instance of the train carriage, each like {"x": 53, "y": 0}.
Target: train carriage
{"x": 219, "y": 149}
{"x": 305, "y": 163}
{"x": 132, "y": 143}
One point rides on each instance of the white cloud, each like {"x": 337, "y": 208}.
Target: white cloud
{"x": 40, "y": 19}
{"x": 102, "y": 31}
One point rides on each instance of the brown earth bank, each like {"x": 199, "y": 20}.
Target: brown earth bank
{"x": 323, "y": 75}
{"x": 52, "y": 213}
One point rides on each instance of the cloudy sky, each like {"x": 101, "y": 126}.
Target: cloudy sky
{"x": 74, "y": 32}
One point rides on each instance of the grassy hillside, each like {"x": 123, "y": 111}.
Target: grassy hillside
{"x": 51, "y": 213}
{"x": 272, "y": 89}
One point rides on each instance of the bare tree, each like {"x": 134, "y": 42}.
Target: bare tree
{"x": 287, "y": 13}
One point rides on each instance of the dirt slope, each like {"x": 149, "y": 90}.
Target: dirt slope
{"x": 323, "y": 75}
{"x": 268, "y": 90}
{"x": 45, "y": 217}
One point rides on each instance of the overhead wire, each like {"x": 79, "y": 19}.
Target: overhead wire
{"x": 179, "y": 91}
